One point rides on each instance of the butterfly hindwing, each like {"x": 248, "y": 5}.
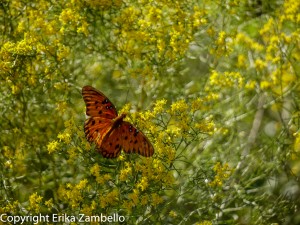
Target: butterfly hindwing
{"x": 128, "y": 138}
{"x": 135, "y": 141}
{"x": 97, "y": 104}
{"x": 112, "y": 143}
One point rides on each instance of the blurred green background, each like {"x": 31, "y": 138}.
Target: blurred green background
{"x": 213, "y": 84}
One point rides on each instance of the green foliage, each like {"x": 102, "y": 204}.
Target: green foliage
{"x": 214, "y": 86}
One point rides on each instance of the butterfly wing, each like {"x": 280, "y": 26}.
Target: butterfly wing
{"x": 126, "y": 137}
{"x": 97, "y": 104}
{"x": 101, "y": 112}
{"x": 95, "y": 129}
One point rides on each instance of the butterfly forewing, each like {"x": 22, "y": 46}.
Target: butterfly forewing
{"x": 95, "y": 129}
{"x": 97, "y": 104}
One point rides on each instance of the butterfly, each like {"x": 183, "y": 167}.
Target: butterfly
{"x": 108, "y": 130}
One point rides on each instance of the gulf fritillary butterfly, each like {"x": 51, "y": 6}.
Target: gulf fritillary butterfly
{"x": 109, "y": 131}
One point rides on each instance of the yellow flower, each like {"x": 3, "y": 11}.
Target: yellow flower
{"x": 197, "y": 17}
{"x": 73, "y": 193}
{"x": 221, "y": 38}
{"x": 11, "y": 207}
{"x": 128, "y": 205}
{"x": 267, "y": 27}
{"x": 61, "y": 106}
{"x": 134, "y": 196}
{"x": 259, "y": 64}
{"x": 112, "y": 197}
{"x": 82, "y": 184}
{"x": 68, "y": 16}
{"x": 159, "y": 106}
{"x": 103, "y": 178}
{"x": 95, "y": 170}
{"x": 197, "y": 104}
{"x": 69, "y": 123}
{"x": 73, "y": 154}
{"x": 143, "y": 184}
{"x": 243, "y": 39}
{"x": 144, "y": 24}
{"x": 168, "y": 179}
{"x": 173, "y": 214}
{"x": 144, "y": 200}
{"x": 103, "y": 202}
{"x": 126, "y": 172}
{"x": 222, "y": 174}
{"x": 84, "y": 28}
{"x": 52, "y": 146}
{"x": 88, "y": 209}
{"x": 35, "y": 201}
{"x": 8, "y": 152}
{"x": 205, "y": 222}
{"x": 210, "y": 31}
{"x": 65, "y": 136}
{"x": 8, "y": 164}
{"x": 250, "y": 84}
{"x": 156, "y": 199}
{"x": 170, "y": 153}
{"x": 21, "y": 26}
{"x": 297, "y": 142}
{"x": 49, "y": 203}
{"x": 24, "y": 47}
{"x": 15, "y": 89}
{"x": 228, "y": 79}
{"x": 62, "y": 52}
{"x": 179, "y": 107}
{"x": 291, "y": 10}
{"x": 206, "y": 127}
{"x": 265, "y": 84}
{"x": 241, "y": 62}
{"x": 161, "y": 46}
{"x": 126, "y": 108}
{"x": 154, "y": 14}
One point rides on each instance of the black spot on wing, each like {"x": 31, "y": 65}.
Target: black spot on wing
{"x": 105, "y": 101}
{"x": 136, "y": 133}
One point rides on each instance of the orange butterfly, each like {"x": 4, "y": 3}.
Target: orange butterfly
{"x": 108, "y": 130}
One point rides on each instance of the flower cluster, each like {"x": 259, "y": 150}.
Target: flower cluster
{"x": 35, "y": 203}
{"x": 223, "y": 172}
{"x": 73, "y": 194}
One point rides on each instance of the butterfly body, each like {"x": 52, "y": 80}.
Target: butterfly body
{"x": 118, "y": 120}
{"x": 110, "y": 132}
